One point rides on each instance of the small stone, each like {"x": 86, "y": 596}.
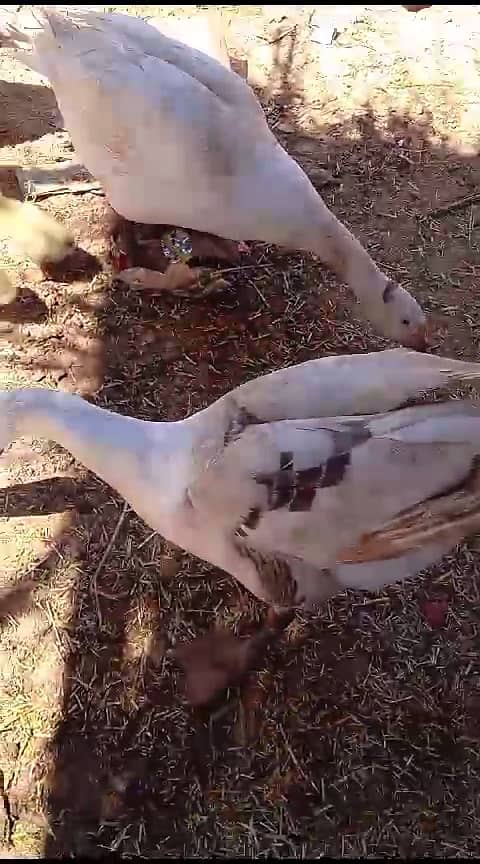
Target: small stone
{"x": 170, "y": 350}
{"x": 33, "y": 275}
{"x": 215, "y": 286}
{"x": 169, "y": 568}
{"x": 324, "y": 34}
{"x": 325, "y": 26}
{"x": 322, "y": 177}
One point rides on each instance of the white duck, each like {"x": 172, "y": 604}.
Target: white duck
{"x": 35, "y": 233}
{"x": 302, "y": 483}
{"x": 177, "y": 138}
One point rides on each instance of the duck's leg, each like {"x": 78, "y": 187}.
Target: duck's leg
{"x": 175, "y": 261}
{"x": 122, "y": 246}
{"x": 178, "y": 280}
{"x": 220, "y": 659}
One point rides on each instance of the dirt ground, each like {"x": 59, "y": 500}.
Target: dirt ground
{"x": 360, "y": 738}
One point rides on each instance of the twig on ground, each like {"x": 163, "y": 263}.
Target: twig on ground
{"x": 104, "y": 558}
{"x": 454, "y": 205}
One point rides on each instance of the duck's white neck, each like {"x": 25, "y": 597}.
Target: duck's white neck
{"x": 330, "y": 239}
{"x": 303, "y": 221}
{"x": 126, "y": 453}
{"x": 337, "y": 247}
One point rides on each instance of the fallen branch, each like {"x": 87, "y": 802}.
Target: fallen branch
{"x": 35, "y": 193}
{"x": 55, "y": 179}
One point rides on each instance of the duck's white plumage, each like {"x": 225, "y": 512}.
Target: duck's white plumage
{"x": 146, "y": 112}
{"x": 300, "y": 483}
{"x": 177, "y": 138}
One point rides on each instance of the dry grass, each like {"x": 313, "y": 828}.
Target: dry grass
{"x": 360, "y": 737}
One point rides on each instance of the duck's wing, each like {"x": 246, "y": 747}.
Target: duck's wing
{"x": 320, "y": 500}
{"x": 342, "y": 385}
{"x": 51, "y": 31}
{"x": 191, "y": 56}
{"x": 185, "y": 56}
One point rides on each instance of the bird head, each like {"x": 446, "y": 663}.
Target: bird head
{"x": 398, "y": 316}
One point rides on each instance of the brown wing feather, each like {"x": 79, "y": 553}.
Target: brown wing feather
{"x": 457, "y": 512}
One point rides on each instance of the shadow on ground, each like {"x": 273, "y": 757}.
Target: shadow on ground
{"x": 29, "y": 111}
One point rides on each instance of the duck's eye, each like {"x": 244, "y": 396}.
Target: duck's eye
{"x": 406, "y": 322}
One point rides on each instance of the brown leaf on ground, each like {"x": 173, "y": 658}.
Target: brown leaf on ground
{"x": 435, "y": 612}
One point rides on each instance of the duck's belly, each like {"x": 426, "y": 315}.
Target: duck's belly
{"x": 223, "y": 210}
{"x": 159, "y": 201}
{"x": 159, "y": 181}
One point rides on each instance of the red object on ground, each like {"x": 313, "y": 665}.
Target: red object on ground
{"x": 435, "y": 612}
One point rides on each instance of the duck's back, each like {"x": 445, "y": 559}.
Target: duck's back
{"x": 203, "y": 32}
{"x": 173, "y": 136}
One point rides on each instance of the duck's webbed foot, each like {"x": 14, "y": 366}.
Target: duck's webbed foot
{"x": 220, "y": 659}
{"x": 179, "y": 279}
{"x": 161, "y": 258}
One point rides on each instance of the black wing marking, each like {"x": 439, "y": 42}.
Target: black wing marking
{"x": 238, "y": 424}
{"x": 296, "y": 489}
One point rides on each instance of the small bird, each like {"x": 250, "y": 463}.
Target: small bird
{"x": 299, "y": 484}
{"x": 177, "y": 138}
{"x": 36, "y": 234}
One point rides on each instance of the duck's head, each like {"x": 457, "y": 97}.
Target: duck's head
{"x": 398, "y": 316}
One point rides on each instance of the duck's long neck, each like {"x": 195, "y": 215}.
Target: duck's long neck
{"x": 122, "y": 451}
{"x": 305, "y": 222}
{"x": 330, "y": 239}
{"x": 345, "y": 255}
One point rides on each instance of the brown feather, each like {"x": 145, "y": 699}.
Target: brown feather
{"x": 456, "y": 513}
